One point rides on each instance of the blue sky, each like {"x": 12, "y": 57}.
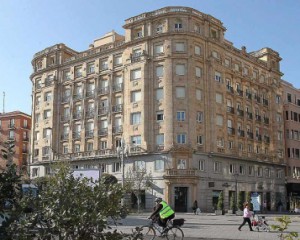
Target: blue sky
{"x": 28, "y": 26}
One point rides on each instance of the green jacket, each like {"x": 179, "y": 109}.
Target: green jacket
{"x": 166, "y": 211}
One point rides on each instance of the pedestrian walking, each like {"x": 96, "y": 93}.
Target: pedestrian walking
{"x": 246, "y": 217}
{"x": 195, "y": 206}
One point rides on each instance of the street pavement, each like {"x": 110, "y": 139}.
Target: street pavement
{"x": 211, "y": 226}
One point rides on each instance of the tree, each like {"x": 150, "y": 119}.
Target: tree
{"x": 71, "y": 208}
{"x": 220, "y": 204}
{"x": 284, "y": 222}
{"x": 231, "y": 202}
{"x": 136, "y": 181}
{"x": 249, "y": 200}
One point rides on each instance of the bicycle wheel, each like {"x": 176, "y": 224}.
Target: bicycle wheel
{"x": 147, "y": 233}
{"x": 175, "y": 233}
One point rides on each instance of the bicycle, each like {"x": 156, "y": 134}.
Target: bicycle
{"x": 172, "y": 231}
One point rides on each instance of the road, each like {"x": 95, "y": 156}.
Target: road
{"x": 210, "y": 226}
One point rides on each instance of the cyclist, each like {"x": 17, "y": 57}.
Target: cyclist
{"x": 163, "y": 212}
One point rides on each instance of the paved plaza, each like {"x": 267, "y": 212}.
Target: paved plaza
{"x": 210, "y": 226}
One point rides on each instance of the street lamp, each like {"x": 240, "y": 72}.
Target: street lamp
{"x": 236, "y": 194}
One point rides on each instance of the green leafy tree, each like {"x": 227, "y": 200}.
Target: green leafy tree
{"x": 284, "y": 222}
{"x": 232, "y": 202}
{"x": 71, "y": 208}
{"x": 220, "y": 204}
{"x": 137, "y": 181}
{"x": 249, "y": 200}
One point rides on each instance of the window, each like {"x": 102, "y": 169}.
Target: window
{"x": 289, "y": 97}
{"x": 201, "y": 165}
{"x": 104, "y": 64}
{"x": 159, "y": 28}
{"x": 139, "y": 165}
{"x": 136, "y": 74}
{"x": 159, "y": 165}
{"x": 198, "y": 94}
{"x": 199, "y": 117}
{"x": 180, "y": 116}
{"x": 159, "y": 71}
{"x": 242, "y": 170}
{"x": 47, "y": 114}
{"x": 219, "y": 120}
{"x": 65, "y": 149}
{"x": 103, "y": 145}
{"x": 259, "y": 172}
{"x": 215, "y": 54}
{"x": 236, "y": 67}
{"x": 38, "y": 100}
{"x": 45, "y": 151}
{"x": 279, "y": 135}
{"x": 136, "y": 140}
{"x": 198, "y": 72}
{"x": 47, "y": 96}
{"x": 180, "y": 69}
{"x": 91, "y": 67}
{"x": 217, "y": 167}
{"x": 67, "y": 74}
{"x": 159, "y": 116}
{"x": 181, "y": 164}
{"x": 137, "y": 52}
{"x": 278, "y": 117}
{"x": 232, "y": 169}
{"x": 230, "y": 144}
{"x": 160, "y": 139}
{"x": 159, "y": 94}
{"x": 25, "y": 123}
{"x": 89, "y": 146}
{"x": 268, "y": 172}
{"x": 11, "y": 134}
{"x": 76, "y": 148}
{"x": 218, "y": 77}
{"x": 197, "y": 50}
{"x": 179, "y": 47}
{"x": 180, "y": 92}
{"x": 251, "y": 170}
{"x": 116, "y": 167}
{"x": 227, "y": 62}
{"x": 78, "y": 72}
{"x": 220, "y": 142}
{"x": 214, "y": 33}
{"x": 118, "y": 60}
{"x": 178, "y": 26}
{"x": 135, "y": 118}
{"x": 181, "y": 138}
{"x": 219, "y": 98}
{"x": 159, "y": 49}
{"x": 136, "y": 96}
{"x": 46, "y": 133}
{"x": 200, "y": 139}
{"x": 279, "y": 173}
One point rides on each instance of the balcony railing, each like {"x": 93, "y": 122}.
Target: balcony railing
{"x": 103, "y": 90}
{"x": 240, "y": 92}
{"x": 229, "y": 89}
{"x": 265, "y": 102}
{"x": 65, "y": 136}
{"x": 230, "y": 130}
{"x": 103, "y": 111}
{"x": 11, "y": 126}
{"x": 240, "y": 112}
{"x": 103, "y": 131}
{"x": 181, "y": 173}
{"x": 267, "y": 139}
{"x": 77, "y": 96}
{"x": 90, "y": 93}
{"x": 117, "y": 129}
{"x": 65, "y": 118}
{"x": 117, "y": 108}
{"x": 25, "y": 139}
{"x": 241, "y": 133}
{"x": 250, "y": 135}
{"x": 118, "y": 87}
{"x": 230, "y": 109}
{"x": 258, "y": 118}
{"x": 248, "y": 95}
{"x": 76, "y": 135}
{"x": 257, "y": 98}
{"x": 48, "y": 83}
{"x": 77, "y": 115}
{"x": 89, "y": 133}
{"x": 258, "y": 137}
{"x": 90, "y": 113}
{"x": 65, "y": 99}
{"x": 249, "y": 115}
{"x": 266, "y": 120}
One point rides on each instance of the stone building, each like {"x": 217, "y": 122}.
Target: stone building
{"x": 15, "y": 128}
{"x": 197, "y": 113}
{"x": 291, "y": 108}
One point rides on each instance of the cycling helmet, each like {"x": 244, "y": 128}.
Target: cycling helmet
{"x": 158, "y": 199}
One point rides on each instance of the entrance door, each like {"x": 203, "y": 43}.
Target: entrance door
{"x": 181, "y": 199}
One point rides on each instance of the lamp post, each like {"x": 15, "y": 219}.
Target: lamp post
{"x": 236, "y": 193}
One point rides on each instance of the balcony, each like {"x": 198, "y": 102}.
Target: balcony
{"x": 258, "y": 137}
{"x": 229, "y": 89}
{"x": 241, "y": 133}
{"x": 11, "y": 126}
{"x": 160, "y": 147}
{"x": 65, "y": 136}
{"x": 65, "y": 118}
{"x": 267, "y": 139}
{"x": 117, "y": 108}
{"x": 117, "y": 129}
{"x": 258, "y": 118}
{"x": 103, "y": 90}
{"x": 265, "y": 102}
{"x": 230, "y": 109}
{"x": 24, "y": 151}
{"x": 240, "y": 92}
{"x": 76, "y": 135}
{"x": 249, "y": 115}
{"x": 136, "y": 57}
{"x": 266, "y": 120}
{"x": 65, "y": 99}
{"x": 181, "y": 173}
{"x": 89, "y": 133}
{"x": 25, "y": 139}
{"x": 103, "y": 111}
{"x": 240, "y": 112}
{"x": 103, "y": 132}
{"x": 90, "y": 113}
{"x": 49, "y": 82}
{"x": 77, "y": 96}
{"x": 77, "y": 115}
{"x": 250, "y": 135}
{"x": 90, "y": 93}
{"x": 257, "y": 98}
{"x": 249, "y": 95}
{"x": 230, "y": 130}
{"x": 118, "y": 87}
